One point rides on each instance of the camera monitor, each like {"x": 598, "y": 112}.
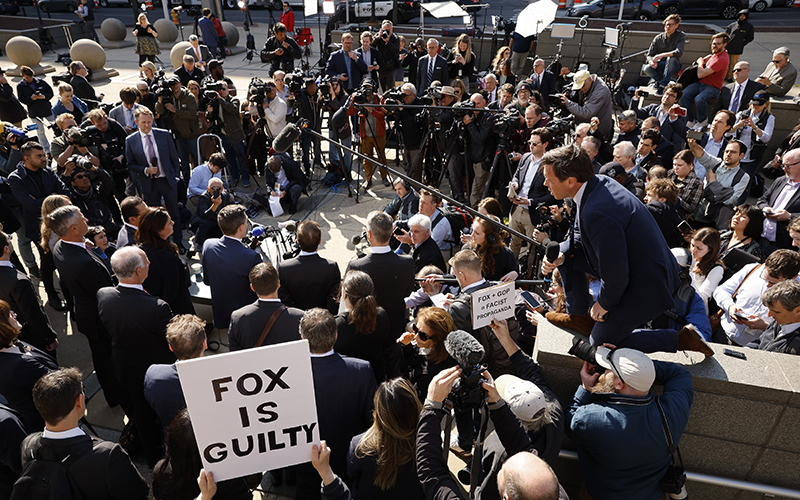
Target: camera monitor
{"x": 611, "y": 38}
{"x": 562, "y": 30}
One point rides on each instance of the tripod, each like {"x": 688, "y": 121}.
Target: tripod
{"x": 500, "y": 156}
{"x": 251, "y": 42}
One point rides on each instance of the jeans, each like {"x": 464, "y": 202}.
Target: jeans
{"x": 306, "y": 140}
{"x": 700, "y": 94}
{"x": 665, "y": 70}
{"x": 41, "y": 131}
{"x": 346, "y": 157}
{"x": 235, "y": 157}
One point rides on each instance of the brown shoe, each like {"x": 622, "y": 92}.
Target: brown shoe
{"x": 581, "y": 324}
{"x": 689, "y": 339}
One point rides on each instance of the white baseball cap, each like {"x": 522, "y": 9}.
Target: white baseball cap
{"x": 524, "y": 397}
{"x": 634, "y": 368}
{"x": 579, "y": 78}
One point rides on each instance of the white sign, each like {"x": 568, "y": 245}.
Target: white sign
{"x": 495, "y": 302}
{"x": 252, "y": 410}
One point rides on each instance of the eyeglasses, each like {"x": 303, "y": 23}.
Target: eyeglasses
{"x": 279, "y": 79}
{"x": 791, "y": 164}
{"x": 534, "y": 143}
{"x": 81, "y": 176}
{"x": 422, "y": 335}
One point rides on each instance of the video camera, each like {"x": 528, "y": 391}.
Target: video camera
{"x": 84, "y": 137}
{"x": 16, "y": 136}
{"x": 363, "y": 94}
{"x": 294, "y": 81}
{"x": 561, "y": 128}
{"x": 430, "y": 96}
{"x": 462, "y": 109}
{"x": 507, "y": 122}
{"x": 164, "y": 89}
{"x": 467, "y": 392}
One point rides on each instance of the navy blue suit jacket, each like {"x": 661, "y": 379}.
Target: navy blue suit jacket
{"x": 337, "y": 66}
{"x": 439, "y": 72}
{"x": 138, "y": 161}
{"x": 163, "y": 392}
{"x": 226, "y": 268}
{"x": 623, "y": 246}
{"x": 210, "y": 37}
{"x": 20, "y": 367}
{"x": 674, "y": 132}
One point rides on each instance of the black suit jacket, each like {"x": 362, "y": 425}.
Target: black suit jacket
{"x": 30, "y": 195}
{"x": 248, "y": 322}
{"x": 13, "y": 433}
{"x": 168, "y": 279}
{"x": 163, "y": 392}
{"x": 309, "y": 281}
{"x": 439, "y": 72}
{"x": 20, "y": 367}
{"x": 83, "y": 89}
{"x": 16, "y": 289}
{"x": 84, "y": 273}
{"x": 427, "y": 253}
{"x": 185, "y": 76}
{"x": 768, "y": 199}
{"x": 546, "y": 86}
{"x": 538, "y": 192}
{"x": 226, "y": 269}
{"x": 104, "y": 470}
{"x": 726, "y": 94}
{"x": 375, "y": 58}
{"x": 393, "y": 276}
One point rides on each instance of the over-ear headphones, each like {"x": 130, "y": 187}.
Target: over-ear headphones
{"x": 491, "y": 237}
{"x": 407, "y": 186}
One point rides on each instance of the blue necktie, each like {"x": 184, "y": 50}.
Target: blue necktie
{"x": 735, "y": 100}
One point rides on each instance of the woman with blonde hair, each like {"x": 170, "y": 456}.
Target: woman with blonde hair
{"x": 147, "y": 71}
{"x": 461, "y": 60}
{"x": 46, "y": 244}
{"x": 146, "y": 45}
{"x": 68, "y": 102}
{"x": 381, "y": 460}
{"x": 460, "y": 89}
{"x": 503, "y": 53}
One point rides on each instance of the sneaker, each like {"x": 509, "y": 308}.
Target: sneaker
{"x": 691, "y": 124}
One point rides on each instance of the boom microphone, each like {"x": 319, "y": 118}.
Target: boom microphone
{"x": 290, "y": 133}
{"x": 464, "y": 348}
{"x": 357, "y": 238}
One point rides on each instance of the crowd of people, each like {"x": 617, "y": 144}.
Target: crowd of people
{"x": 658, "y": 250}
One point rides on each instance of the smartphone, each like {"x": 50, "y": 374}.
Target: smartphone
{"x": 680, "y": 111}
{"x": 741, "y": 317}
{"x": 531, "y": 299}
{"x": 694, "y": 134}
{"x": 685, "y": 228}
{"x": 215, "y": 192}
{"x": 734, "y": 354}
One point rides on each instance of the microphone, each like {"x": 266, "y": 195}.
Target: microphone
{"x": 258, "y": 231}
{"x": 464, "y": 348}
{"x": 552, "y": 251}
{"x": 357, "y": 238}
{"x": 153, "y": 163}
{"x": 286, "y": 137}
{"x": 289, "y": 225}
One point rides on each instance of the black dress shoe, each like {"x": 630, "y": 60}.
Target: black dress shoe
{"x": 57, "y": 304}
{"x": 181, "y": 249}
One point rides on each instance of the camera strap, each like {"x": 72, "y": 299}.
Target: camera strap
{"x": 674, "y": 452}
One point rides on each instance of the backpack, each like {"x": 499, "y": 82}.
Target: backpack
{"x": 457, "y": 218}
{"x": 47, "y": 476}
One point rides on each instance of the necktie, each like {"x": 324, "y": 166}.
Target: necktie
{"x": 131, "y": 121}
{"x": 536, "y": 81}
{"x": 199, "y": 57}
{"x": 735, "y": 101}
{"x": 151, "y": 153}
{"x": 430, "y": 72}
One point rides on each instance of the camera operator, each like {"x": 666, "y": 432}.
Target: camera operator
{"x": 178, "y": 108}
{"x": 412, "y": 132}
{"x": 11, "y": 109}
{"x": 90, "y": 196}
{"x": 146, "y": 98}
{"x": 371, "y": 129}
{"x": 594, "y": 100}
{"x": 216, "y": 73}
{"x": 338, "y": 122}
{"x": 482, "y": 144}
{"x": 35, "y": 93}
{"x": 532, "y": 120}
{"x": 416, "y": 50}
{"x": 204, "y": 223}
{"x": 280, "y": 50}
{"x": 388, "y": 45}
{"x": 307, "y": 106}
{"x": 81, "y": 86}
{"x": 227, "y": 110}
{"x": 67, "y": 144}
{"x": 111, "y": 153}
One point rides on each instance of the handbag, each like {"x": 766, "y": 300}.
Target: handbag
{"x": 674, "y": 481}
{"x": 689, "y": 76}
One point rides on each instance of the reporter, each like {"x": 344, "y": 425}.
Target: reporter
{"x": 426, "y": 356}
{"x": 168, "y": 278}
{"x": 497, "y": 260}
{"x": 461, "y": 60}
{"x": 381, "y": 460}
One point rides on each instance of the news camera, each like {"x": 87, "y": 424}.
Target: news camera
{"x": 164, "y": 89}
{"x": 507, "y": 122}
{"x": 80, "y": 161}
{"x": 84, "y": 137}
{"x": 462, "y": 109}
{"x": 16, "y": 136}
{"x": 431, "y": 96}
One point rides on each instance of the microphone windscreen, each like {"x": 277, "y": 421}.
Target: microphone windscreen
{"x": 553, "y": 249}
{"x": 154, "y": 161}
{"x": 464, "y": 348}
{"x": 355, "y": 240}
{"x": 258, "y": 231}
{"x": 283, "y": 141}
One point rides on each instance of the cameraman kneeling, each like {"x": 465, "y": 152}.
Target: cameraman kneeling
{"x": 524, "y": 475}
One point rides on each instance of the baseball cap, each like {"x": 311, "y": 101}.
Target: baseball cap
{"x": 760, "y": 98}
{"x": 579, "y": 78}
{"x": 612, "y": 169}
{"x": 524, "y": 397}
{"x": 448, "y": 90}
{"x": 634, "y": 368}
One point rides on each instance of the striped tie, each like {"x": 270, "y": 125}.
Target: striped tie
{"x": 430, "y": 72}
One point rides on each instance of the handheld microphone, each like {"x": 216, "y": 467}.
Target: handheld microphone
{"x": 357, "y": 238}
{"x": 286, "y": 137}
{"x": 289, "y": 225}
{"x": 552, "y": 251}
{"x": 153, "y": 163}
{"x": 258, "y": 231}
{"x": 464, "y": 348}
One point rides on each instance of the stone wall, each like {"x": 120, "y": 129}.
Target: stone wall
{"x": 743, "y": 423}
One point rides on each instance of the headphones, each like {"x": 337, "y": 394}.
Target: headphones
{"x": 491, "y": 237}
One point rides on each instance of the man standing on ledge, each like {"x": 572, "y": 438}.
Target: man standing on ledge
{"x": 615, "y": 239}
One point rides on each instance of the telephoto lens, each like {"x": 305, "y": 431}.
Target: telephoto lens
{"x": 585, "y": 351}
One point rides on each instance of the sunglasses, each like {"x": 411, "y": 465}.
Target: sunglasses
{"x": 81, "y": 176}
{"x": 738, "y": 70}
{"x": 422, "y": 335}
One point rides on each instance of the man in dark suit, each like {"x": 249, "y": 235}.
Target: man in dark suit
{"x": 736, "y": 96}
{"x": 781, "y": 202}
{"x": 186, "y": 334}
{"x": 12, "y": 433}
{"x": 130, "y": 207}
{"x": 17, "y": 290}
{"x": 209, "y": 33}
{"x": 426, "y": 252}
{"x": 615, "y": 238}
{"x": 309, "y": 280}
{"x": 344, "y": 389}
{"x": 85, "y": 273}
{"x": 431, "y": 68}
{"x": 249, "y": 323}
{"x": 392, "y": 274}
{"x": 137, "y": 322}
{"x": 81, "y": 86}
{"x": 199, "y": 52}
{"x": 227, "y": 264}
{"x": 544, "y": 81}
{"x": 188, "y": 71}
{"x": 101, "y": 469}
{"x": 370, "y": 56}
{"x": 153, "y": 161}
{"x": 646, "y": 157}
{"x": 347, "y": 64}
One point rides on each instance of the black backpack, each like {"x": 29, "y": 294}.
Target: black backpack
{"x": 47, "y": 476}
{"x": 458, "y": 219}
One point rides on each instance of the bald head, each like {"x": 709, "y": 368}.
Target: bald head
{"x": 527, "y": 477}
